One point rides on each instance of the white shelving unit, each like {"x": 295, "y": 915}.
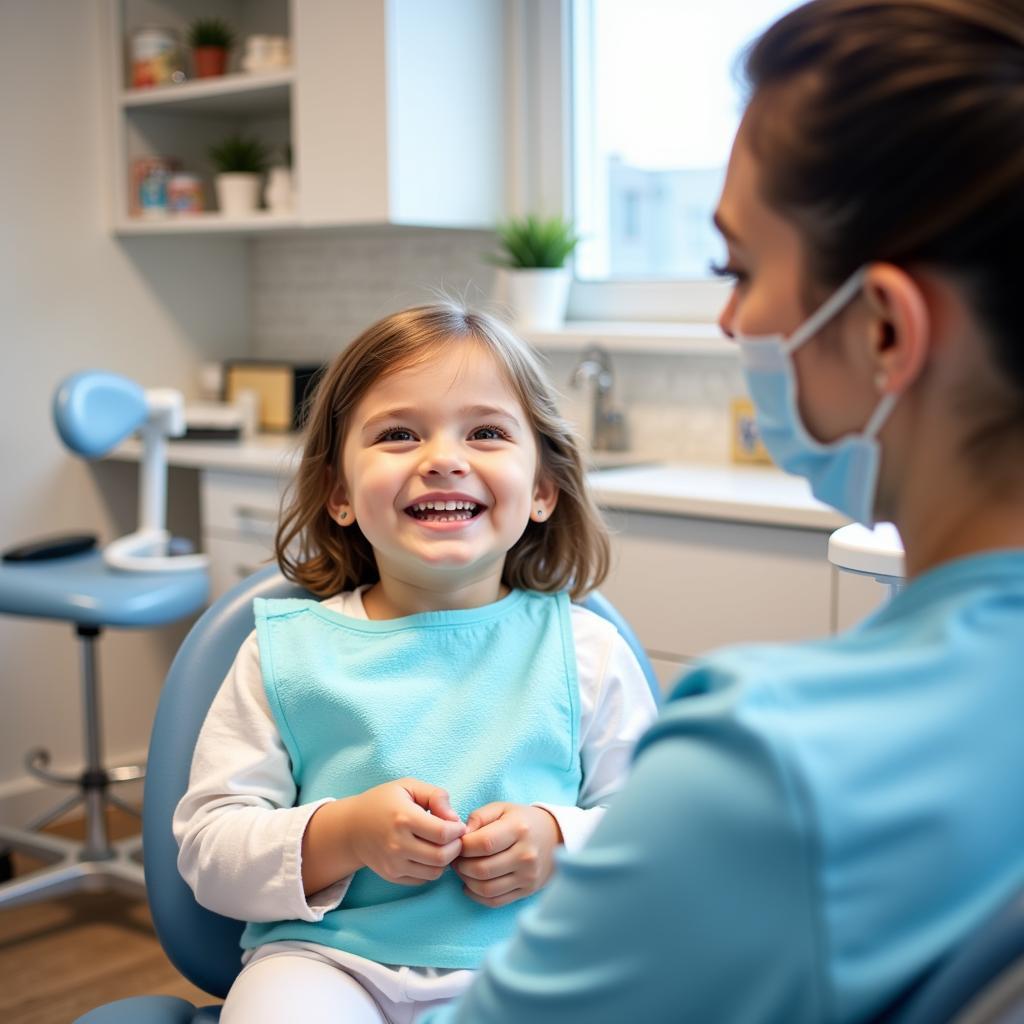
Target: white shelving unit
{"x": 181, "y": 121}
{"x": 394, "y": 111}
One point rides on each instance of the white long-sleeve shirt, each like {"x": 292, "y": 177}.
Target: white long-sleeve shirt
{"x": 240, "y": 833}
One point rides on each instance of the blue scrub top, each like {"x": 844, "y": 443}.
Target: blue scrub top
{"x": 806, "y": 830}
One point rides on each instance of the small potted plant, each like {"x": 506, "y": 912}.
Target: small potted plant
{"x": 240, "y": 162}
{"x": 210, "y": 39}
{"x": 534, "y": 252}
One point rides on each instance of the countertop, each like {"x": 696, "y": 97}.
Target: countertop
{"x": 747, "y": 494}
{"x": 726, "y": 492}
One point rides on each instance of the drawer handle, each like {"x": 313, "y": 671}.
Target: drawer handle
{"x": 261, "y": 515}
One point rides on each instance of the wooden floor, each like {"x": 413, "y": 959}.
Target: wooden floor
{"x": 62, "y": 957}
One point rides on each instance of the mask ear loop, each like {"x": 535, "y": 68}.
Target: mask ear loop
{"x": 880, "y": 415}
{"x": 842, "y": 297}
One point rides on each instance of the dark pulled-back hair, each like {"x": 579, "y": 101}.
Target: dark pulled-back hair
{"x": 893, "y": 130}
{"x": 569, "y": 550}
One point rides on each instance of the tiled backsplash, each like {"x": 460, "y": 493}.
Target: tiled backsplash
{"x": 311, "y": 295}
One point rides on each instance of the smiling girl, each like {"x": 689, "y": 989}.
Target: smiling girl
{"x": 386, "y": 772}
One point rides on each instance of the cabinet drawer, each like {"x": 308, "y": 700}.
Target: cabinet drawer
{"x": 245, "y": 506}
{"x": 233, "y": 560}
{"x": 688, "y": 585}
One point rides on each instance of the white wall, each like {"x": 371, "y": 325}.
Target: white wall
{"x": 72, "y": 296}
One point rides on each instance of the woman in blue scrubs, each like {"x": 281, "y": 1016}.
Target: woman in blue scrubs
{"x": 809, "y": 828}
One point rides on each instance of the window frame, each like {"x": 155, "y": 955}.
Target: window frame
{"x": 542, "y": 165}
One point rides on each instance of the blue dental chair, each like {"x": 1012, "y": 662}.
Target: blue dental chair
{"x": 202, "y": 945}
{"x": 134, "y": 582}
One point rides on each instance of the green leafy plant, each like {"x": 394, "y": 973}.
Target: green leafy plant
{"x": 240, "y": 154}
{"x": 533, "y": 242}
{"x": 210, "y": 32}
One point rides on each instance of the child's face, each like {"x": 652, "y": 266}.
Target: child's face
{"x": 446, "y": 430}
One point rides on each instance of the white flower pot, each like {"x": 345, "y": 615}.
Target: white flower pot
{"x": 238, "y": 195}
{"x": 278, "y": 193}
{"x": 538, "y": 297}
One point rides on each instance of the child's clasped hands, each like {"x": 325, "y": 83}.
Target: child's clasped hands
{"x": 408, "y": 833}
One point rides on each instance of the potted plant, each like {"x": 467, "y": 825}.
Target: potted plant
{"x": 534, "y": 251}
{"x": 210, "y": 39}
{"x": 240, "y": 162}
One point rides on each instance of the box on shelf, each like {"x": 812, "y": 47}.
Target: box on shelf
{"x": 283, "y": 389}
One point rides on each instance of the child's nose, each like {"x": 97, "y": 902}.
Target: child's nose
{"x": 443, "y": 459}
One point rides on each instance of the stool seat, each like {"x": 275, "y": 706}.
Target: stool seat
{"x": 84, "y": 590}
{"x": 877, "y": 552}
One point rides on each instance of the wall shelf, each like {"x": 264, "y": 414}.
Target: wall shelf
{"x": 211, "y": 223}
{"x": 239, "y": 93}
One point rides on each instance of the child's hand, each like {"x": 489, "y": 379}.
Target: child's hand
{"x": 508, "y": 852}
{"x": 405, "y": 831}
{"x": 394, "y": 835}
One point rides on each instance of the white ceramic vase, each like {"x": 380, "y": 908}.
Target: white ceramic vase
{"x": 279, "y": 190}
{"x": 538, "y": 297}
{"x": 238, "y": 194}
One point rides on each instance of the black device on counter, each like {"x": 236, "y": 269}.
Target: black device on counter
{"x": 44, "y": 548}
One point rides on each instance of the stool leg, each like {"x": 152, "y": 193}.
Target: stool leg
{"x": 94, "y": 779}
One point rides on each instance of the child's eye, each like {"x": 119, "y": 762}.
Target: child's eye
{"x": 395, "y": 434}
{"x": 488, "y": 433}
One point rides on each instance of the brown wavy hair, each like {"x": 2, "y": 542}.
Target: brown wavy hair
{"x": 568, "y": 551}
{"x": 893, "y": 130}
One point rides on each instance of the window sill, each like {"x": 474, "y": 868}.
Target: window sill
{"x": 674, "y": 339}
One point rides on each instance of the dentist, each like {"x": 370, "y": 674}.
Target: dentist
{"x": 809, "y": 828}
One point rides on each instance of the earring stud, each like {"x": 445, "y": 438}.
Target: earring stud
{"x": 343, "y": 515}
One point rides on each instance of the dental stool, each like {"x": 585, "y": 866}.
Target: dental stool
{"x": 134, "y": 583}
{"x": 877, "y": 552}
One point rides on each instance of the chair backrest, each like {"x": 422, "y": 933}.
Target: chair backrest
{"x": 980, "y": 982}
{"x": 202, "y": 945}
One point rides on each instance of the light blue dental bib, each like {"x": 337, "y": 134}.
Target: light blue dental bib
{"x": 481, "y": 701}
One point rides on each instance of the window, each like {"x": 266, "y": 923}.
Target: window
{"x": 655, "y": 104}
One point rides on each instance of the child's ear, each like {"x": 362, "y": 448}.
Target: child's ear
{"x": 338, "y": 506}
{"x": 545, "y": 498}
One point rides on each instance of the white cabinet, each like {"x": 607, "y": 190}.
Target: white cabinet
{"x": 393, "y": 110}
{"x": 856, "y": 597}
{"x": 400, "y": 111}
{"x": 239, "y": 520}
{"x": 688, "y": 585}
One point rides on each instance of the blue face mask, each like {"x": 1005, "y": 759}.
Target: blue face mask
{"x": 843, "y": 473}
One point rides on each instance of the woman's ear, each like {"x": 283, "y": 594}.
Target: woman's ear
{"x": 339, "y": 507}
{"x": 900, "y": 327}
{"x": 545, "y": 498}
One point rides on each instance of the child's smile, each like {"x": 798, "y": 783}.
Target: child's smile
{"x": 445, "y": 510}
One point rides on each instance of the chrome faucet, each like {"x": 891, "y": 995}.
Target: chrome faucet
{"x": 609, "y": 432}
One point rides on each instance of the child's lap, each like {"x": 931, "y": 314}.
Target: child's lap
{"x": 300, "y": 985}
